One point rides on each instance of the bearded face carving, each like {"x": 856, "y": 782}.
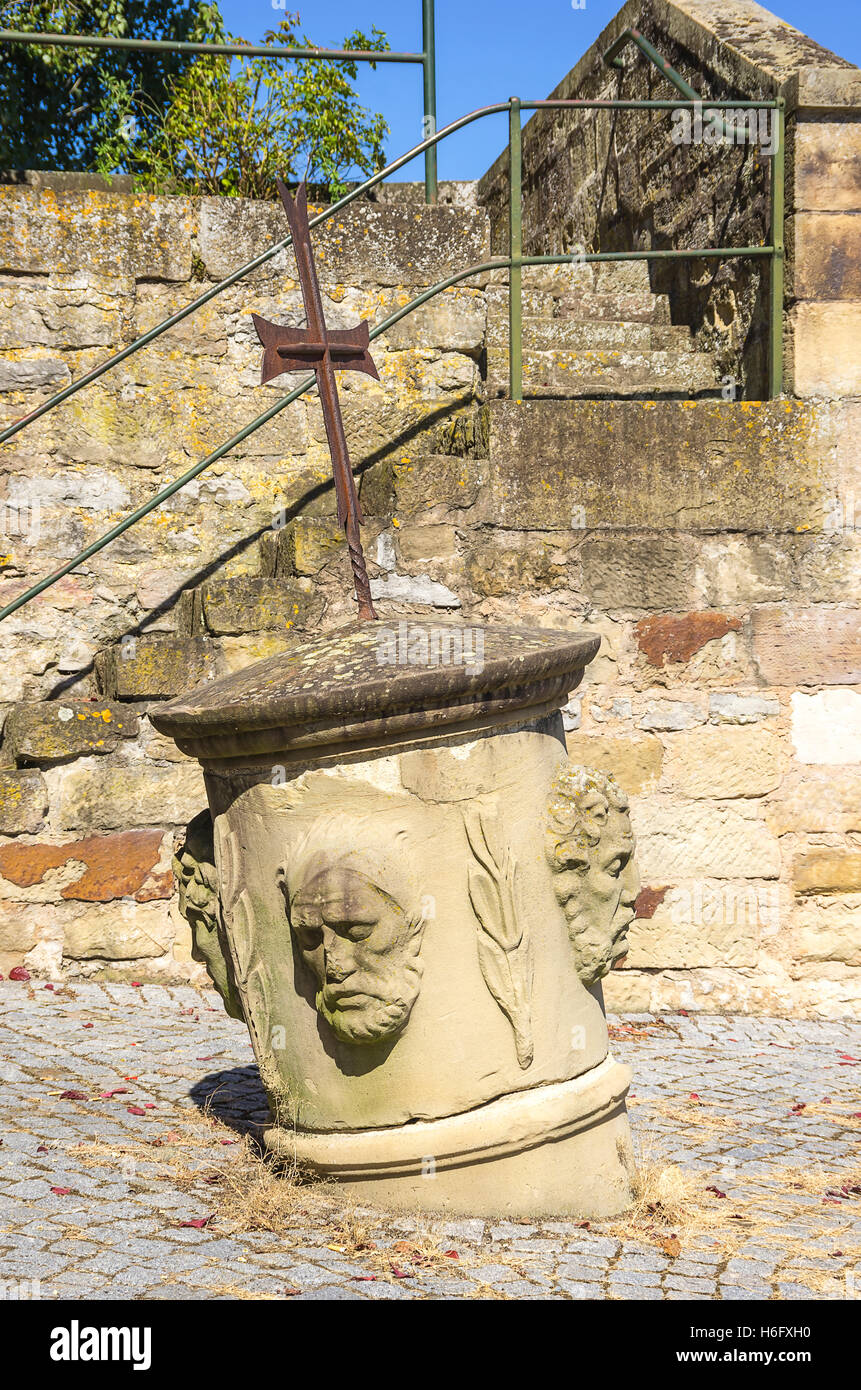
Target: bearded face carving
{"x": 590, "y": 848}
{"x": 358, "y": 926}
{"x": 197, "y": 881}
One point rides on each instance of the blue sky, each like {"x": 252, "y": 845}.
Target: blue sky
{"x": 488, "y": 50}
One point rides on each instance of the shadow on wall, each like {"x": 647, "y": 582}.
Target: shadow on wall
{"x": 312, "y": 494}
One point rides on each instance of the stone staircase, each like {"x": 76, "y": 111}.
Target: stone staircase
{"x": 589, "y": 332}
{"x": 596, "y": 331}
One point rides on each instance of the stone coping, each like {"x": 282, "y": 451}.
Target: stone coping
{"x": 376, "y": 681}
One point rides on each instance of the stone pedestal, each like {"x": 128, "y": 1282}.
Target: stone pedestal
{"x": 411, "y": 895}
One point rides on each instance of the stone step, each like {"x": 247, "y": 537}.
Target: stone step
{"x": 625, "y": 305}
{"x": 58, "y": 730}
{"x": 570, "y": 335}
{"x": 535, "y": 303}
{"x": 154, "y": 668}
{"x": 548, "y": 279}
{"x": 258, "y": 603}
{"x": 622, "y": 277}
{"x": 615, "y": 372}
{"x": 602, "y": 277}
{"x": 302, "y": 548}
{"x": 433, "y": 486}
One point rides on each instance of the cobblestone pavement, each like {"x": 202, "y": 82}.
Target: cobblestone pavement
{"x": 762, "y": 1117}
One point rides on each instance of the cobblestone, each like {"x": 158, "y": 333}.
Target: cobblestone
{"x": 713, "y": 1095}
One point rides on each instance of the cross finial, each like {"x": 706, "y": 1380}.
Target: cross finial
{"x": 325, "y": 350}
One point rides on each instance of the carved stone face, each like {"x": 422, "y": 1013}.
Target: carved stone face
{"x": 360, "y": 945}
{"x": 591, "y": 850}
{"x": 197, "y": 880}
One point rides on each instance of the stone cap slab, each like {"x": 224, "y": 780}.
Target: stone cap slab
{"x": 366, "y": 685}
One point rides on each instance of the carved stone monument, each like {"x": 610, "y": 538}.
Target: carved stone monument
{"x": 411, "y": 895}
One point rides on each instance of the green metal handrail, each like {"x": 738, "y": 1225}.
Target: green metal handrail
{"x": 501, "y": 263}
{"x": 494, "y": 109}
{"x": 513, "y": 262}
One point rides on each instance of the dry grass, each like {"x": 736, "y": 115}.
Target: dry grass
{"x": 675, "y": 1209}
{"x": 685, "y": 1114}
{"x": 671, "y": 1209}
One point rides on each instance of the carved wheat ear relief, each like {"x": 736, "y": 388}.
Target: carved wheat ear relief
{"x": 504, "y": 945}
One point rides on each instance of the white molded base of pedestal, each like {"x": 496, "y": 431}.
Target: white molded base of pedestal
{"x": 558, "y": 1150}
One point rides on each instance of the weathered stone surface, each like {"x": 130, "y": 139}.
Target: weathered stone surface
{"x": 238, "y": 653}
{"x": 426, "y": 483}
{"x": 414, "y": 588}
{"x": 661, "y": 465}
{"x": 639, "y": 572}
{"x": 675, "y": 637}
{"x": 153, "y": 668}
{"x": 141, "y": 931}
{"x": 703, "y": 923}
{"x": 58, "y": 730}
{"x": 616, "y": 373}
{"x": 511, "y": 562}
{"x": 827, "y": 871}
{"x": 824, "y": 931}
{"x": 823, "y": 355}
{"x": 23, "y": 802}
{"x": 726, "y": 762}
{"x": 669, "y": 716}
{"x": 453, "y": 322}
{"x": 807, "y": 646}
{"x": 308, "y": 544}
{"x": 727, "y": 707}
{"x": 634, "y": 762}
{"x": 367, "y": 244}
{"x": 250, "y": 604}
{"x": 824, "y": 158}
{"x": 824, "y": 255}
{"x": 695, "y": 839}
{"x": 738, "y": 570}
{"x": 826, "y": 727}
{"x": 827, "y": 569}
{"x": 45, "y": 230}
{"x": 100, "y": 868}
{"x": 425, "y": 544}
{"x": 92, "y": 795}
{"x": 32, "y": 374}
{"x": 817, "y": 798}
{"x": 17, "y": 931}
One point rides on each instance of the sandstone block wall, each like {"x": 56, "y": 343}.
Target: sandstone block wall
{"x": 726, "y": 695}
{"x": 714, "y": 546}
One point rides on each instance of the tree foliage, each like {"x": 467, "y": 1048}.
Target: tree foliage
{"x": 55, "y": 103}
{"x": 230, "y": 128}
{"x": 179, "y": 123}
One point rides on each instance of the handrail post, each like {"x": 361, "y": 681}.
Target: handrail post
{"x": 776, "y": 278}
{"x": 429, "y": 123}
{"x": 515, "y": 251}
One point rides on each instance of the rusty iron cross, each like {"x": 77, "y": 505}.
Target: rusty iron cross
{"x": 326, "y": 350}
